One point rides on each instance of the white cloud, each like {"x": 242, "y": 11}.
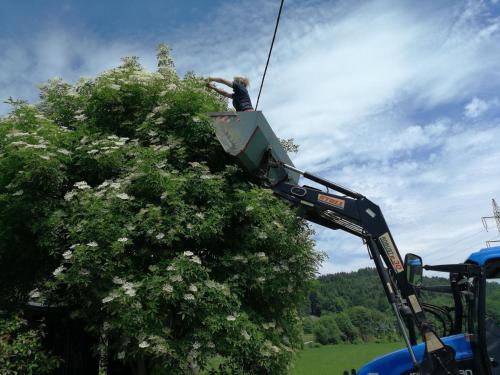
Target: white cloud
{"x": 477, "y": 107}
{"x": 56, "y": 53}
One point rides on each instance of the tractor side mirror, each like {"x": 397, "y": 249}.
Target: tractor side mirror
{"x": 414, "y": 269}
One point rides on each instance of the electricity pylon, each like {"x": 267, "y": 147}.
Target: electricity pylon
{"x": 496, "y": 217}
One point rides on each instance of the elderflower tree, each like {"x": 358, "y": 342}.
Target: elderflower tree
{"x": 118, "y": 203}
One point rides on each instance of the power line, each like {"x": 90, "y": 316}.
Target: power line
{"x": 466, "y": 249}
{"x": 459, "y": 240}
{"x": 270, "y": 50}
{"x": 463, "y": 239}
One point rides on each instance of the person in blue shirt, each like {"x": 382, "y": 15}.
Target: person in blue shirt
{"x": 240, "y": 97}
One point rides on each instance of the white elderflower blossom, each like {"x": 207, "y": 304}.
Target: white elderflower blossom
{"x": 115, "y": 185}
{"x": 92, "y": 152}
{"x": 19, "y": 143}
{"x": 44, "y": 157}
{"x": 159, "y": 121}
{"x": 167, "y": 288}
{"x": 74, "y": 245}
{"x": 120, "y": 355}
{"x": 160, "y": 236}
{"x": 193, "y": 288}
{"x": 176, "y": 278}
{"x": 114, "y": 86}
{"x": 35, "y": 293}
{"x": 129, "y": 288}
{"x": 84, "y": 272}
{"x": 261, "y": 254}
{"x": 195, "y": 259}
{"x": 82, "y": 185}
{"x": 188, "y": 253}
{"x": 58, "y": 270}
{"x": 122, "y": 239}
{"x": 130, "y": 292}
{"x": 188, "y": 297}
{"x": 18, "y": 193}
{"x": 211, "y": 284}
{"x": 68, "y": 255}
{"x": 103, "y": 185}
{"x": 17, "y": 134}
{"x": 63, "y": 151}
{"x": 123, "y": 196}
{"x": 268, "y": 325}
{"x": 118, "y": 280}
{"x": 108, "y": 298}
{"x": 245, "y": 334}
{"x": 171, "y": 268}
{"x": 249, "y": 208}
{"x": 80, "y": 117}
{"x": 261, "y": 279}
{"x": 262, "y": 236}
{"x": 92, "y": 244}
{"x": 144, "y": 344}
{"x": 230, "y": 318}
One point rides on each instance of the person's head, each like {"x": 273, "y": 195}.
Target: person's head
{"x": 242, "y": 80}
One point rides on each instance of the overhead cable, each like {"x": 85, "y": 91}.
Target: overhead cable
{"x": 270, "y": 51}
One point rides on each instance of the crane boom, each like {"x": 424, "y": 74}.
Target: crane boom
{"x": 248, "y": 137}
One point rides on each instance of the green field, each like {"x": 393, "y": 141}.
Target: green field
{"x": 334, "y": 359}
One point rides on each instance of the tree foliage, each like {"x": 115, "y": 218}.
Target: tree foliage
{"x": 326, "y": 330}
{"x": 117, "y": 201}
{"x": 21, "y": 349}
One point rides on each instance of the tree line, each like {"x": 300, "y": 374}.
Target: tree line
{"x": 351, "y": 307}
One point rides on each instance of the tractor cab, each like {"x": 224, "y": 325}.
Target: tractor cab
{"x": 486, "y": 314}
{"x": 469, "y": 320}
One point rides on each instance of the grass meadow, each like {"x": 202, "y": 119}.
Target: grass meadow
{"x": 334, "y": 359}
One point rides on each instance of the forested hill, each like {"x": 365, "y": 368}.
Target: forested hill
{"x": 337, "y": 292}
{"x": 351, "y": 307}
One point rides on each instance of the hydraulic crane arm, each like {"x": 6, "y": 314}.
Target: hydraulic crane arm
{"x": 355, "y": 214}
{"x": 249, "y": 138}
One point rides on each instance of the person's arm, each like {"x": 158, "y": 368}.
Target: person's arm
{"x": 220, "y": 80}
{"x": 220, "y": 91}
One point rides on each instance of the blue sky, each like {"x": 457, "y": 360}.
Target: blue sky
{"x": 396, "y": 99}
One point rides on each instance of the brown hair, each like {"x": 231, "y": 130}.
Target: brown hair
{"x": 243, "y": 80}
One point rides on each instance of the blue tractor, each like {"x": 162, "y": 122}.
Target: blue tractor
{"x": 470, "y": 341}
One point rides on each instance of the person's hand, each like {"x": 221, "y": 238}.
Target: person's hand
{"x": 210, "y": 86}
